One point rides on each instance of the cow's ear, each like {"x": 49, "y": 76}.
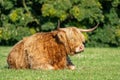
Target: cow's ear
{"x": 61, "y": 37}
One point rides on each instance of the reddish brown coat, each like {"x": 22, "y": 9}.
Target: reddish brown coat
{"x": 47, "y": 50}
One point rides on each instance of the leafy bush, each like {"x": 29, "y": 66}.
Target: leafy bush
{"x": 48, "y": 26}
{"x": 9, "y": 34}
{"x": 103, "y": 37}
{"x": 21, "y": 18}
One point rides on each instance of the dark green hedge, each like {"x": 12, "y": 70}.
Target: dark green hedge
{"x": 20, "y": 18}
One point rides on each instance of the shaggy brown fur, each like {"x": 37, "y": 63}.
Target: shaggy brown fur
{"x": 47, "y": 50}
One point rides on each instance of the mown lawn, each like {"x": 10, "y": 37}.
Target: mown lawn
{"x": 92, "y": 64}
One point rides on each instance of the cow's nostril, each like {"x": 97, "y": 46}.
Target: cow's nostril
{"x": 81, "y": 47}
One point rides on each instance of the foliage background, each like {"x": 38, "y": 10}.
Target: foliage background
{"x": 20, "y": 18}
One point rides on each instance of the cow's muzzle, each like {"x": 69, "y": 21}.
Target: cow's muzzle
{"x": 79, "y": 49}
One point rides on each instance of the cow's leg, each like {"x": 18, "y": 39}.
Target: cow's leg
{"x": 39, "y": 63}
{"x": 70, "y": 65}
{"x": 43, "y": 66}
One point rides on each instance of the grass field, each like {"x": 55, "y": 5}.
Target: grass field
{"x": 92, "y": 64}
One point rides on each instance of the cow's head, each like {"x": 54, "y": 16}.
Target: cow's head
{"x": 74, "y": 38}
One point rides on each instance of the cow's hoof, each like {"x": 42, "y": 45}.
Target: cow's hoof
{"x": 71, "y": 67}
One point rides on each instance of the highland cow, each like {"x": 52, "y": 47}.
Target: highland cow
{"x": 48, "y": 50}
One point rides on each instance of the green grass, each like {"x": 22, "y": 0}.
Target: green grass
{"x": 92, "y": 64}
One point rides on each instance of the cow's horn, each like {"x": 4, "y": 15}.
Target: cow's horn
{"x": 89, "y": 30}
{"x": 58, "y": 26}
